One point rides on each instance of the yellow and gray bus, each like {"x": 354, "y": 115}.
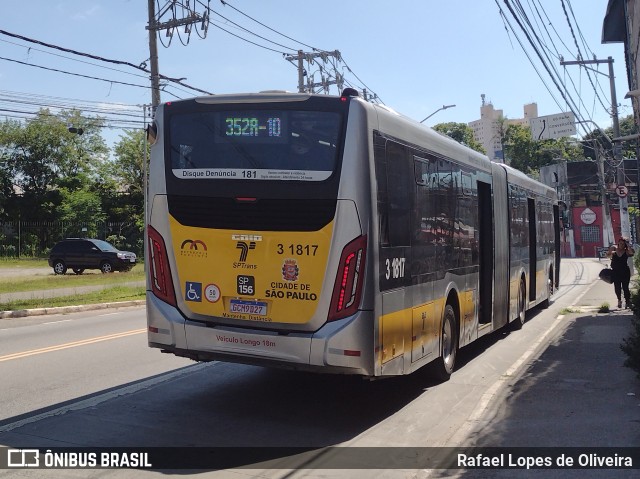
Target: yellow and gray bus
{"x": 330, "y": 234}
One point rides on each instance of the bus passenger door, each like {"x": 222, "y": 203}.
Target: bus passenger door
{"x": 485, "y": 252}
{"x": 424, "y": 261}
{"x": 533, "y": 250}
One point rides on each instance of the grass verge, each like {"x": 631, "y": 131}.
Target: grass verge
{"x": 108, "y": 295}
{"x": 23, "y": 263}
{"x": 19, "y": 284}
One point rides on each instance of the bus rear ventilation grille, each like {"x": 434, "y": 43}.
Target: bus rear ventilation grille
{"x": 261, "y": 215}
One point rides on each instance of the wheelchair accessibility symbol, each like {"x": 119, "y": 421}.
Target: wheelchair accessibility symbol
{"x": 193, "y": 291}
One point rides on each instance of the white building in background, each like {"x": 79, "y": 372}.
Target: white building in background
{"x": 486, "y": 130}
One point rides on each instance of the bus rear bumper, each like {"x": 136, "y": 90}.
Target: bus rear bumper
{"x": 335, "y": 348}
{"x": 165, "y": 325}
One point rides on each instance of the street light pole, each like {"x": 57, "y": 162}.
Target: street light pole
{"x": 444, "y": 107}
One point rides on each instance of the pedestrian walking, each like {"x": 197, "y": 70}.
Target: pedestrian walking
{"x": 619, "y": 255}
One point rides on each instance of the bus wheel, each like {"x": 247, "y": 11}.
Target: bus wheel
{"x": 519, "y": 321}
{"x": 547, "y": 302}
{"x": 445, "y": 364}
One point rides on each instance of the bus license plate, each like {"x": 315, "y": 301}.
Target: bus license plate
{"x": 255, "y": 308}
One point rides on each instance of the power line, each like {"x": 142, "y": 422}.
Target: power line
{"x": 266, "y": 26}
{"x": 506, "y": 22}
{"x": 178, "y": 81}
{"x": 329, "y": 76}
{"x": 108, "y": 122}
{"x": 116, "y": 115}
{"x": 575, "y": 40}
{"x": 68, "y": 50}
{"x": 29, "y": 48}
{"x": 570, "y": 102}
{"x": 71, "y": 73}
{"x": 548, "y": 64}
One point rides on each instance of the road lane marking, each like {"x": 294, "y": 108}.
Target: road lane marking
{"x": 73, "y": 344}
{"x": 58, "y": 322}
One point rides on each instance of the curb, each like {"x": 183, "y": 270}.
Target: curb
{"x": 23, "y": 313}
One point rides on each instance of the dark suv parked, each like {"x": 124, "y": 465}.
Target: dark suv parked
{"x": 81, "y": 253}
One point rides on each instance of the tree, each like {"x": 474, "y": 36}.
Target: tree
{"x": 529, "y": 155}
{"x": 33, "y": 151}
{"x": 85, "y": 150}
{"x": 519, "y": 148}
{"x": 627, "y": 127}
{"x": 5, "y": 187}
{"x": 81, "y": 208}
{"x": 460, "y": 132}
{"x": 129, "y": 165}
{"x": 41, "y": 155}
{"x": 123, "y": 193}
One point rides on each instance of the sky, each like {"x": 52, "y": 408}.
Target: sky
{"x": 415, "y": 55}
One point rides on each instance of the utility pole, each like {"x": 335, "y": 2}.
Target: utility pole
{"x": 155, "y": 26}
{"x": 617, "y": 155}
{"x": 300, "y": 57}
{"x": 617, "y": 147}
{"x": 301, "y": 72}
{"x": 153, "y": 56}
{"x": 608, "y": 238}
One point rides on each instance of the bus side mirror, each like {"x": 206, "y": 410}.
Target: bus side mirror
{"x": 152, "y": 133}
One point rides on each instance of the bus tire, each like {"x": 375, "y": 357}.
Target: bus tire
{"x": 518, "y": 322}
{"x": 545, "y": 304}
{"x": 445, "y": 364}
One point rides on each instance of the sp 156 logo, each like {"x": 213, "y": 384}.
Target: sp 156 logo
{"x": 246, "y": 285}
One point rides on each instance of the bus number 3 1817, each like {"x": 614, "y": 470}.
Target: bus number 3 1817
{"x": 298, "y": 249}
{"x": 395, "y": 268}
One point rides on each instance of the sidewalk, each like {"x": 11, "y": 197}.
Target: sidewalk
{"x": 577, "y": 393}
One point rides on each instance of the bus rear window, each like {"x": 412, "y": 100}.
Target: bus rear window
{"x": 254, "y": 144}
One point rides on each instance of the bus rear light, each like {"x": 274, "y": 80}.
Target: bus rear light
{"x": 159, "y": 271}
{"x": 348, "y": 286}
{"x": 352, "y": 353}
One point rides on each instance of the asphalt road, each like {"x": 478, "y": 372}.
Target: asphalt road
{"x": 89, "y": 380}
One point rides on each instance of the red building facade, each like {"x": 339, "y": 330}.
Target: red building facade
{"x": 586, "y": 232}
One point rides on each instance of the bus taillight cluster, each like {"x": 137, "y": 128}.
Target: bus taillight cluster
{"x": 159, "y": 271}
{"x": 348, "y": 285}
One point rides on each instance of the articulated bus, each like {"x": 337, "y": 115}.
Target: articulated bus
{"x": 330, "y": 234}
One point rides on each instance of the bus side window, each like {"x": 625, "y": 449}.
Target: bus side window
{"x": 400, "y": 191}
{"x": 425, "y": 205}
{"x": 379, "y": 154}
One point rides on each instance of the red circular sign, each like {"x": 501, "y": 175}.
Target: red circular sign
{"x": 622, "y": 191}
